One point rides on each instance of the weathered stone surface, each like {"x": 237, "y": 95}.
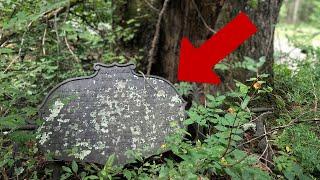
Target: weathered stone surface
{"x": 112, "y": 111}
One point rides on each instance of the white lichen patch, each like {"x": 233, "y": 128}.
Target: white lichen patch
{"x": 57, "y": 128}
{"x": 96, "y": 126}
{"x": 63, "y": 120}
{"x": 57, "y": 107}
{"x": 99, "y": 145}
{"x": 116, "y": 141}
{"x": 54, "y": 112}
{"x": 120, "y": 85}
{"x": 161, "y": 93}
{"x": 147, "y": 111}
{"x": 83, "y": 144}
{"x": 82, "y": 154}
{"x": 44, "y": 137}
{"x": 176, "y": 99}
{"x": 135, "y": 130}
{"x": 93, "y": 114}
{"x": 74, "y": 127}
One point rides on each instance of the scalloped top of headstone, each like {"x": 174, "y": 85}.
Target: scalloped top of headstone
{"x": 109, "y": 112}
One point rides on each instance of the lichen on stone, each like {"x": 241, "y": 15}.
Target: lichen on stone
{"x": 113, "y": 112}
{"x": 44, "y": 137}
{"x": 161, "y": 93}
{"x": 82, "y": 154}
{"x": 54, "y": 112}
{"x": 58, "y": 105}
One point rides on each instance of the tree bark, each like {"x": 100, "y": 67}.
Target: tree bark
{"x": 265, "y": 17}
{"x": 183, "y": 20}
{"x": 195, "y": 20}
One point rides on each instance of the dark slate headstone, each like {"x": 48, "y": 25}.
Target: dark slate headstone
{"x": 111, "y": 111}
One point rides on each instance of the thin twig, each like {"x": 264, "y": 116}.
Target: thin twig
{"x": 70, "y": 50}
{"x": 267, "y": 145}
{"x": 267, "y": 160}
{"x": 315, "y": 97}
{"x": 202, "y": 18}
{"x": 66, "y": 39}
{"x": 230, "y": 137}
{"x": 57, "y": 33}
{"x": 151, "y": 6}
{"x": 12, "y": 62}
{"x": 22, "y": 40}
{"x": 43, "y": 41}
{"x": 261, "y": 115}
{"x": 146, "y": 80}
{"x": 155, "y": 40}
{"x": 238, "y": 161}
{"x": 20, "y": 49}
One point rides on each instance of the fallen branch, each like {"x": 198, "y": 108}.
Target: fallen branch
{"x": 262, "y": 109}
{"x": 293, "y": 122}
{"x": 29, "y": 127}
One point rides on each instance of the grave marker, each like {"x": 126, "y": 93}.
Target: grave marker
{"x": 111, "y": 111}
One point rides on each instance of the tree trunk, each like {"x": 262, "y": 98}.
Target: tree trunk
{"x": 265, "y": 16}
{"x": 195, "y": 20}
{"x": 182, "y": 19}
{"x": 188, "y": 18}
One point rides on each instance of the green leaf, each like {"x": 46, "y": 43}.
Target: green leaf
{"x": 221, "y": 128}
{"x": 110, "y": 160}
{"x": 91, "y": 177}
{"x": 233, "y": 174}
{"x": 188, "y": 121}
{"x": 236, "y": 137}
{"x": 245, "y": 102}
{"x": 65, "y": 176}
{"x": 74, "y": 167}
{"x": 127, "y": 174}
{"x": 261, "y": 62}
{"x": 221, "y": 66}
{"x": 18, "y": 171}
{"x": 242, "y": 88}
{"x": 264, "y": 75}
{"x": 67, "y": 169}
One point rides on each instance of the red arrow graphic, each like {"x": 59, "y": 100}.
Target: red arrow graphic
{"x": 196, "y": 63}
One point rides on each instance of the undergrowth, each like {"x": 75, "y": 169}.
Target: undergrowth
{"x": 225, "y": 144}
